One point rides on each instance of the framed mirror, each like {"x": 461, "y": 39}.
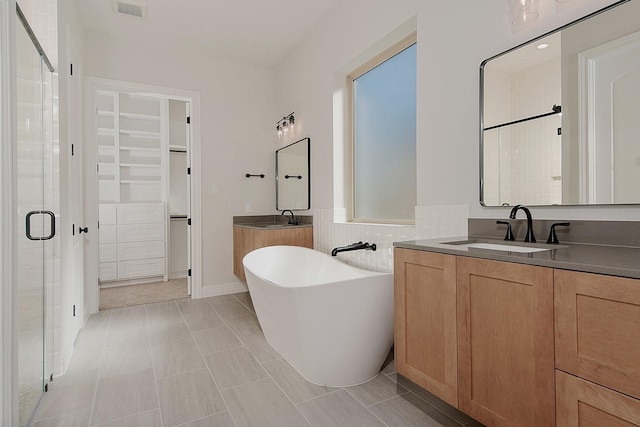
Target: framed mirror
{"x": 559, "y": 115}
{"x": 293, "y": 183}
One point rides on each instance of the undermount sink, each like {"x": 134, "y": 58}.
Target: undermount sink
{"x": 498, "y": 247}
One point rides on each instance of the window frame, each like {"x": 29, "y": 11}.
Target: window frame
{"x": 369, "y": 65}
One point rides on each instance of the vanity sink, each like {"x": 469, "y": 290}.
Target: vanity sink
{"x": 498, "y": 247}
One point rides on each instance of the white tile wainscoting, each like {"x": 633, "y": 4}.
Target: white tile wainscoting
{"x": 330, "y": 230}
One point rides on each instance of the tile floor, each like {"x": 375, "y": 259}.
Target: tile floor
{"x": 206, "y": 363}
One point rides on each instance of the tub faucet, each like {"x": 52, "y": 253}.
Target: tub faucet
{"x": 529, "y": 237}
{"x": 292, "y": 219}
{"x": 354, "y": 247}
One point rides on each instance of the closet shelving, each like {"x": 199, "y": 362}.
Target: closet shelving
{"x": 132, "y": 141}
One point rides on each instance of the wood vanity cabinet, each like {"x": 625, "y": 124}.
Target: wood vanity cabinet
{"x": 597, "y": 338}
{"x": 246, "y": 239}
{"x": 513, "y": 344}
{"x": 505, "y": 342}
{"x": 425, "y": 321}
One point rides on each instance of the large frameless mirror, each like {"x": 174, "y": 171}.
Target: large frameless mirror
{"x": 559, "y": 115}
{"x": 293, "y": 183}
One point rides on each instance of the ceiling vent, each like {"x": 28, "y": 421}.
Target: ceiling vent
{"x": 129, "y": 8}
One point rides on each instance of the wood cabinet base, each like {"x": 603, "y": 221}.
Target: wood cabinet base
{"x": 247, "y": 239}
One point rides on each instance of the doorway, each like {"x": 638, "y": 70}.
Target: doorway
{"x": 142, "y": 143}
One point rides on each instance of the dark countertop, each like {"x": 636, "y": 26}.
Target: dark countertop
{"x": 621, "y": 261}
{"x": 272, "y": 226}
{"x": 268, "y": 222}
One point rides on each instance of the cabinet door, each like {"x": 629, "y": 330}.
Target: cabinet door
{"x": 581, "y": 403}
{"x": 505, "y": 343}
{"x": 597, "y": 321}
{"x": 425, "y": 321}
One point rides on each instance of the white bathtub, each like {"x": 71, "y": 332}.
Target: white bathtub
{"x": 332, "y": 322}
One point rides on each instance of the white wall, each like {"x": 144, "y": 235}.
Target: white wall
{"x": 237, "y": 130}
{"x": 69, "y": 28}
{"x": 451, "y": 45}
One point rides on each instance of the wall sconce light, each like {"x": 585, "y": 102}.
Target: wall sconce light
{"x": 522, "y": 12}
{"x": 285, "y": 124}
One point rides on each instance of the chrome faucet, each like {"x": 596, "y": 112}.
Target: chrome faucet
{"x": 529, "y": 237}
{"x": 292, "y": 219}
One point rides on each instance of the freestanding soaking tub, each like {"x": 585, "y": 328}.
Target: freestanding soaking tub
{"x": 332, "y": 322}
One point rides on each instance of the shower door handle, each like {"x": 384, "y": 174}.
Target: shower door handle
{"x": 53, "y": 225}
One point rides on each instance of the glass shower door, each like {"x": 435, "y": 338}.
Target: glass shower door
{"x": 34, "y": 225}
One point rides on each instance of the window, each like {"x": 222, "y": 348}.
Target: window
{"x": 383, "y": 102}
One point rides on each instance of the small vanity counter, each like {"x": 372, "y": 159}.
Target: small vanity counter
{"x": 253, "y": 232}
{"x": 623, "y": 261}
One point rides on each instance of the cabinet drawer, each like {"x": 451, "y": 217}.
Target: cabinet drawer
{"x": 140, "y": 250}
{"x": 107, "y": 233}
{"x": 140, "y": 268}
{"x": 107, "y": 214}
{"x": 108, "y": 252}
{"x": 140, "y": 233}
{"x": 582, "y": 403}
{"x": 597, "y": 319}
{"x": 141, "y": 213}
{"x": 107, "y": 271}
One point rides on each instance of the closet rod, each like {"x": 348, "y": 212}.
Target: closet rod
{"x": 33, "y": 38}
{"x": 174, "y": 150}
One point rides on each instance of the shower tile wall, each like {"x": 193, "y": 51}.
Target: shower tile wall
{"x": 331, "y": 230}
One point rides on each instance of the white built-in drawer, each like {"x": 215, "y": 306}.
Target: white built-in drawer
{"x": 107, "y": 271}
{"x": 107, "y": 214}
{"x": 108, "y": 252}
{"x": 140, "y": 268}
{"x": 140, "y": 233}
{"x": 146, "y": 213}
{"x": 140, "y": 250}
{"x": 107, "y": 233}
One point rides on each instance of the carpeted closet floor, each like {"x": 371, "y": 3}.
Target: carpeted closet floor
{"x": 125, "y": 296}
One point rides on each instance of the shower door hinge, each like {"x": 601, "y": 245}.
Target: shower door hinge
{"x": 72, "y": 150}
{"x": 559, "y": 131}
{"x": 46, "y": 388}
{"x": 188, "y": 221}
{"x": 74, "y": 310}
{"x": 189, "y": 273}
{"x": 73, "y": 229}
{"x": 189, "y": 120}
{"x": 71, "y": 69}
{"x": 188, "y": 171}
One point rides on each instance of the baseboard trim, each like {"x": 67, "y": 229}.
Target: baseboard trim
{"x": 224, "y": 289}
